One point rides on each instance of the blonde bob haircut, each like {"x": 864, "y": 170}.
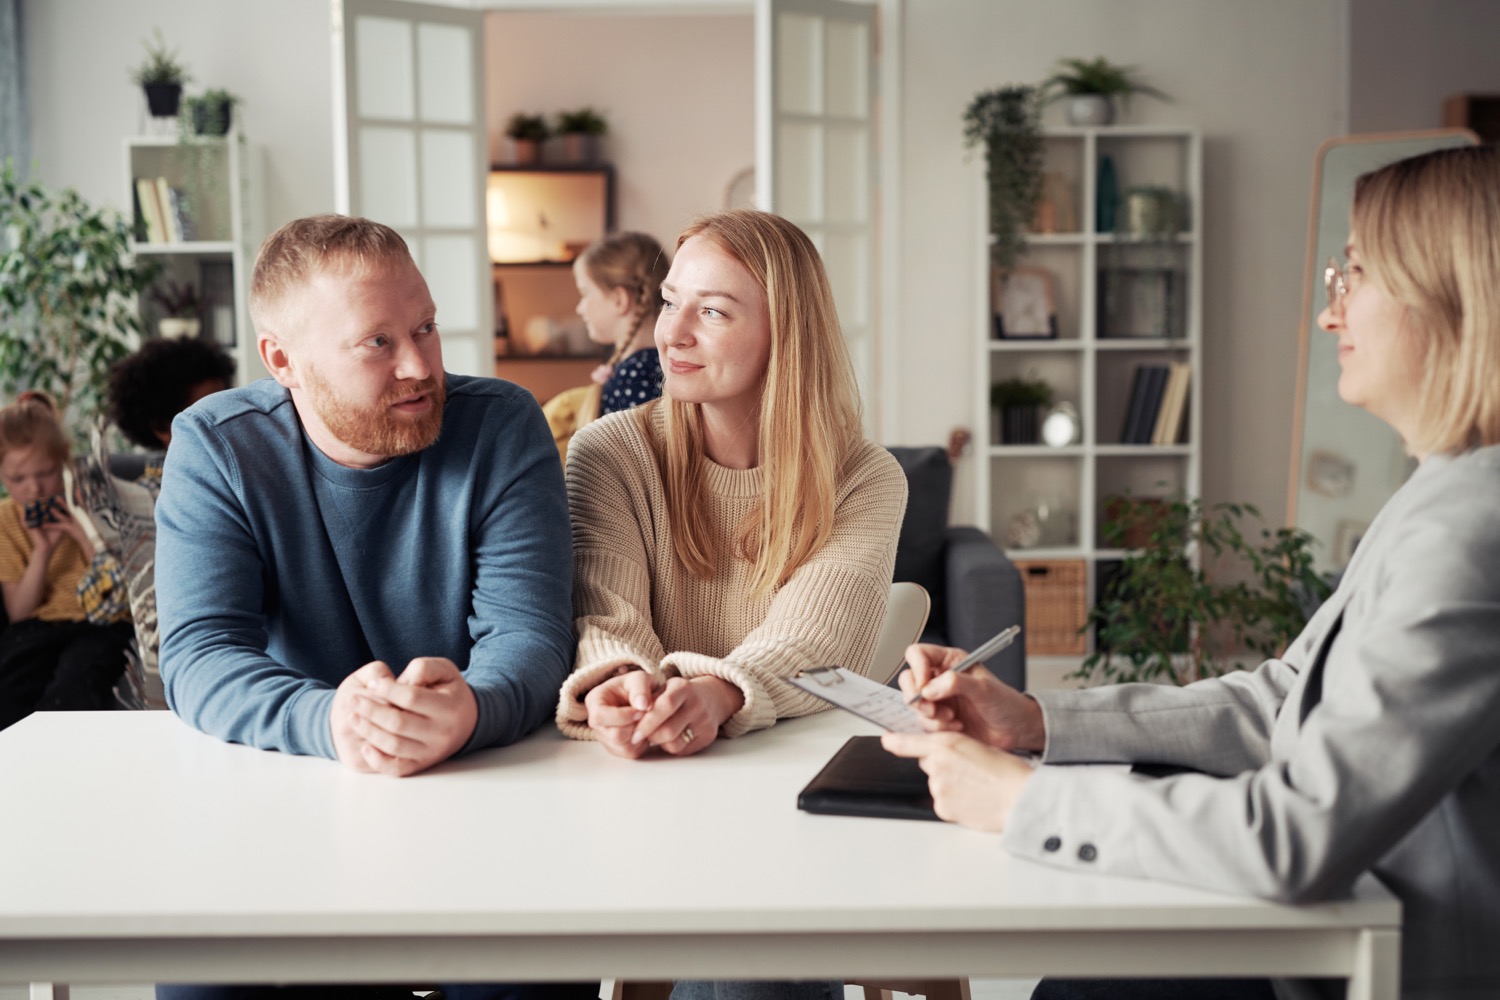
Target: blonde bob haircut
{"x": 1428, "y": 231}
{"x": 809, "y": 418}
{"x": 302, "y": 248}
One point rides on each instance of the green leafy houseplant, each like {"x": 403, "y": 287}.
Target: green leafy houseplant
{"x": 1007, "y": 122}
{"x": 527, "y": 128}
{"x": 162, "y": 63}
{"x": 584, "y": 121}
{"x": 1075, "y": 77}
{"x": 176, "y": 299}
{"x": 208, "y": 113}
{"x": 161, "y": 76}
{"x": 69, "y": 289}
{"x": 1163, "y": 618}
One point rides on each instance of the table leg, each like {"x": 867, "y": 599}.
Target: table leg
{"x": 1377, "y": 966}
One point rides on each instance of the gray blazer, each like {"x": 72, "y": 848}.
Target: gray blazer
{"x": 1372, "y": 744}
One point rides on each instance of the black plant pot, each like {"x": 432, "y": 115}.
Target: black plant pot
{"x": 1019, "y": 424}
{"x": 163, "y": 98}
{"x": 212, "y": 119}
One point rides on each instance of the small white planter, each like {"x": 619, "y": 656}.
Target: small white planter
{"x": 178, "y": 327}
{"x": 1090, "y": 109}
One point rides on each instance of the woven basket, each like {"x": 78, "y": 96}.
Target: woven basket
{"x": 1055, "y": 607}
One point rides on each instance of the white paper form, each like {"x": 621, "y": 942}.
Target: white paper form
{"x": 867, "y": 699}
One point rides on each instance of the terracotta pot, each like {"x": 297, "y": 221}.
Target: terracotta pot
{"x": 528, "y": 152}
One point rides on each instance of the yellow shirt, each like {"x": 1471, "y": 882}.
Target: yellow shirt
{"x": 60, "y": 602}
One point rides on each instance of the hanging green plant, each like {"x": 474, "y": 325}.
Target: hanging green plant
{"x": 1007, "y": 121}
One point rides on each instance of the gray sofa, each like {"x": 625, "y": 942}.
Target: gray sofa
{"x": 976, "y": 591}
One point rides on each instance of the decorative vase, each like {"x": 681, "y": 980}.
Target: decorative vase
{"x": 1090, "y": 109}
{"x": 1106, "y": 196}
{"x": 178, "y": 327}
{"x": 163, "y": 99}
{"x": 1151, "y": 212}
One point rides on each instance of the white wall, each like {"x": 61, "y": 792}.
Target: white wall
{"x": 1261, "y": 82}
{"x": 275, "y": 54}
{"x": 1406, "y": 57}
{"x": 677, "y": 91}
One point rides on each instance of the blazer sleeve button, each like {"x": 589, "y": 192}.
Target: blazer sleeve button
{"x": 1087, "y": 853}
{"x": 1052, "y": 844}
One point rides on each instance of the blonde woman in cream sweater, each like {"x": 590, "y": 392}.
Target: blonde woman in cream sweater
{"x": 739, "y": 529}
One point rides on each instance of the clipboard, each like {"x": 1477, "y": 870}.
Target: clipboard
{"x": 862, "y": 779}
{"x": 870, "y": 700}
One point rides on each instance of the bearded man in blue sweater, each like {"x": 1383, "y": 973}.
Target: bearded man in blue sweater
{"x": 361, "y": 558}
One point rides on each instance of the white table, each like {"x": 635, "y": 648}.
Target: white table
{"x": 134, "y": 849}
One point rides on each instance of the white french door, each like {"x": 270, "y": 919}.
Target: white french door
{"x": 815, "y": 150}
{"x": 411, "y": 150}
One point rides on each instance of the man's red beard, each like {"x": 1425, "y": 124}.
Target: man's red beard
{"x": 380, "y": 430}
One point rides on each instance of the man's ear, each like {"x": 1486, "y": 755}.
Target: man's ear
{"x": 277, "y": 361}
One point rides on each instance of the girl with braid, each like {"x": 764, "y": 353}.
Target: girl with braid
{"x": 619, "y": 295}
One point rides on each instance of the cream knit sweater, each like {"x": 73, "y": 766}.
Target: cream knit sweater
{"x": 635, "y": 605}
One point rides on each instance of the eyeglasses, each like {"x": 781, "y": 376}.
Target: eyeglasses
{"x": 1335, "y": 281}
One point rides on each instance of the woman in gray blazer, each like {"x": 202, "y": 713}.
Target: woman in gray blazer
{"x": 1373, "y": 743}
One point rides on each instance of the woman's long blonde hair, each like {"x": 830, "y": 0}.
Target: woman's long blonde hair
{"x": 1428, "y": 231}
{"x": 636, "y": 263}
{"x": 809, "y": 419}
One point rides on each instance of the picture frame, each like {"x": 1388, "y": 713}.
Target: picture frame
{"x": 1024, "y": 303}
{"x": 1329, "y": 474}
{"x": 1346, "y": 540}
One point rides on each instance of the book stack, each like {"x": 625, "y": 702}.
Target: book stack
{"x": 1158, "y": 400}
{"x": 162, "y": 209}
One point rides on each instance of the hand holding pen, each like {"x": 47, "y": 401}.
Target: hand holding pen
{"x": 996, "y": 643}
{"x": 974, "y": 702}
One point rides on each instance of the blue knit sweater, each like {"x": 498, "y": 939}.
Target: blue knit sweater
{"x": 280, "y": 572}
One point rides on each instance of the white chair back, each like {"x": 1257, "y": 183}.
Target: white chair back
{"x": 905, "y": 616}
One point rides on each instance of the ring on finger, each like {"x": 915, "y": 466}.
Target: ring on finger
{"x": 687, "y": 736}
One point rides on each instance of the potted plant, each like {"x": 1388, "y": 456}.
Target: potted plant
{"x": 1160, "y": 617}
{"x": 1018, "y": 403}
{"x": 69, "y": 293}
{"x": 1092, "y": 85}
{"x": 180, "y": 308}
{"x": 209, "y": 113}
{"x": 527, "y": 132}
{"x": 1007, "y": 121}
{"x": 580, "y": 131}
{"x": 161, "y": 76}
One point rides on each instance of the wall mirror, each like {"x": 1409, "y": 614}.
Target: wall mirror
{"x": 1345, "y": 462}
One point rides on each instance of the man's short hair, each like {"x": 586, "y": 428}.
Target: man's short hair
{"x": 304, "y": 247}
{"x": 150, "y": 387}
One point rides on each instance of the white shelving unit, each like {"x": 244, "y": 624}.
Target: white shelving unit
{"x": 1086, "y": 365}
{"x": 219, "y": 180}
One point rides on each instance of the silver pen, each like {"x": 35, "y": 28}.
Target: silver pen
{"x": 1001, "y": 639}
